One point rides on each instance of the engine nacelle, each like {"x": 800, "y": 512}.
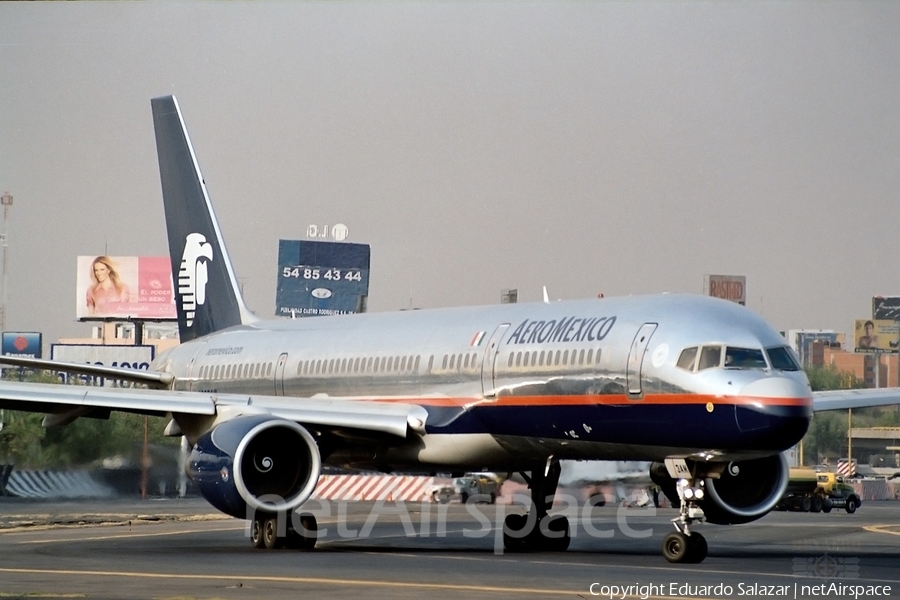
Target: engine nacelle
{"x": 738, "y": 492}
{"x": 255, "y": 463}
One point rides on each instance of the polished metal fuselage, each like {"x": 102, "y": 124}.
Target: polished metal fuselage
{"x": 507, "y": 385}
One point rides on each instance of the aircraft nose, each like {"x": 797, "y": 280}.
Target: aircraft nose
{"x": 775, "y": 411}
{"x": 778, "y": 388}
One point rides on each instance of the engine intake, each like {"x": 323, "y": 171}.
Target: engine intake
{"x": 738, "y": 492}
{"x": 255, "y": 463}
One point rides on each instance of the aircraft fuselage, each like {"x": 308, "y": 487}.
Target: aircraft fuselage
{"x": 589, "y": 379}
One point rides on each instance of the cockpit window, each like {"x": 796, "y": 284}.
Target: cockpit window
{"x": 710, "y": 356}
{"x": 744, "y": 358}
{"x": 686, "y": 360}
{"x": 783, "y": 359}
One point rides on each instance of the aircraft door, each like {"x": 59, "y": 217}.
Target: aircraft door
{"x": 279, "y": 374}
{"x": 636, "y": 358}
{"x": 489, "y": 363}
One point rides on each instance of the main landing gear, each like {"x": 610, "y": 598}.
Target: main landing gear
{"x": 684, "y": 545}
{"x": 538, "y": 531}
{"x": 264, "y": 532}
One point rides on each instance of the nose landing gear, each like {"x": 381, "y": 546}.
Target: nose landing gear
{"x": 684, "y": 545}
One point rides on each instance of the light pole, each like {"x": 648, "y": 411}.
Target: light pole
{"x": 6, "y": 199}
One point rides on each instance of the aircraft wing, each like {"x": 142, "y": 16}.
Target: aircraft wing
{"x": 153, "y": 379}
{"x": 64, "y": 403}
{"x": 844, "y": 399}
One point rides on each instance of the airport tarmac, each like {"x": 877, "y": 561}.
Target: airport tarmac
{"x": 184, "y": 549}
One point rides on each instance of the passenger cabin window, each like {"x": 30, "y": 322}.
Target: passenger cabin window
{"x": 710, "y": 356}
{"x": 744, "y": 358}
{"x": 686, "y": 360}
{"x": 783, "y": 359}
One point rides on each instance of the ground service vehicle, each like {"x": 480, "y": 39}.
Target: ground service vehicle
{"x": 478, "y": 486}
{"x": 809, "y": 491}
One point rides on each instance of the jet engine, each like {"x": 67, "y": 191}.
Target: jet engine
{"x": 733, "y": 493}
{"x": 255, "y": 463}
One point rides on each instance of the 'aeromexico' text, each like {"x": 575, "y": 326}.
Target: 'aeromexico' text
{"x": 566, "y": 329}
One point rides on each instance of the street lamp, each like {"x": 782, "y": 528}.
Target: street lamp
{"x": 6, "y": 199}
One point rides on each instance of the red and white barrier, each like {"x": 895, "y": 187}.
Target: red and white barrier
{"x": 390, "y": 488}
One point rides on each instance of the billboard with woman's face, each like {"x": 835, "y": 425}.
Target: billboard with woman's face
{"x": 124, "y": 287}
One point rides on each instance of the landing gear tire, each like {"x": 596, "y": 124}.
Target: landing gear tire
{"x": 805, "y": 504}
{"x": 515, "y": 539}
{"x": 558, "y": 526}
{"x": 679, "y": 547}
{"x": 256, "y": 537}
{"x": 306, "y": 537}
{"x": 827, "y": 505}
{"x": 270, "y": 538}
{"x": 676, "y": 547}
{"x": 552, "y": 536}
{"x": 698, "y": 547}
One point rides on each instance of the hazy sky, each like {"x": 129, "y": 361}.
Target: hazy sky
{"x": 624, "y": 148}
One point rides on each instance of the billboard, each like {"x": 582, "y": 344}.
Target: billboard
{"x": 876, "y": 335}
{"x": 886, "y": 307}
{"x": 22, "y": 343}
{"x": 321, "y": 278}
{"x": 124, "y": 287}
{"x": 727, "y": 287}
{"x": 128, "y": 357}
{"x": 801, "y": 341}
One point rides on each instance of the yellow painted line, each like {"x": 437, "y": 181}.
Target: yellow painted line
{"x": 129, "y": 535}
{"x": 325, "y": 581}
{"x": 881, "y": 529}
{"x": 38, "y": 595}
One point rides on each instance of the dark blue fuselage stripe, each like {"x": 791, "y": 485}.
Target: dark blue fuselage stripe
{"x": 679, "y": 425}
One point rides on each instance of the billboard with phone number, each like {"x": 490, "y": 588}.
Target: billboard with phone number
{"x": 126, "y": 357}
{"x": 321, "y": 278}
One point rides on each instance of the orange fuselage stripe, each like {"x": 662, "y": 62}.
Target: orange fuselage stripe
{"x": 606, "y": 400}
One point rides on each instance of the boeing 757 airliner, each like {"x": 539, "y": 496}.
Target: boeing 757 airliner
{"x": 702, "y": 387}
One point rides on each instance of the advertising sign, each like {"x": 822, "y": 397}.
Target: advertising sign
{"x": 805, "y": 340}
{"x": 321, "y": 278}
{"x": 876, "y": 335}
{"x": 886, "y": 307}
{"x": 137, "y": 287}
{"x": 129, "y": 357}
{"x": 728, "y": 287}
{"x": 22, "y": 343}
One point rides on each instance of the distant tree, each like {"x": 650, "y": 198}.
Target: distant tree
{"x": 25, "y": 443}
{"x": 829, "y": 378}
{"x": 828, "y": 430}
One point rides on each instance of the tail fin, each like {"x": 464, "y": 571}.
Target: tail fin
{"x": 206, "y": 291}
